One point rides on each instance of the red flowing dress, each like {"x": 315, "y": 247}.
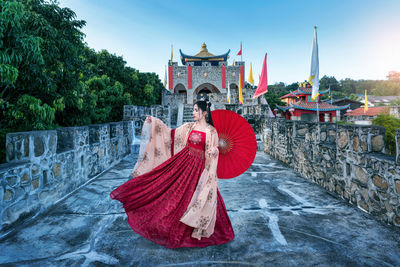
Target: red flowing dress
{"x": 156, "y": 200}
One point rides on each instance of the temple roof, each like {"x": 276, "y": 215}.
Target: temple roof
{"x": 204, "y": 52}
{"x": 372, "y": 111}
{"x": 308, "y": 91}
{"x": 290, "y": 95}
{"x": 323, "y": 106}
{"x": 302, "y": 91}
{"x": 203, "y": 55}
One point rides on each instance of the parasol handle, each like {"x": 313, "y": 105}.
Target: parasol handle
{"x": 224, "y": 144}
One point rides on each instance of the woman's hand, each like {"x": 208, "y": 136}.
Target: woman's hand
{"x": 148, "y": 119}
{"x": 213, "y": 152}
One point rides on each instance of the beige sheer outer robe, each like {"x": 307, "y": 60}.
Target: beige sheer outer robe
{"x": 155, "y": 148}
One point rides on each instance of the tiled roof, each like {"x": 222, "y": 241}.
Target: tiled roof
{"x": 348, "y": 100}
{"x": 323, "y": 106}
{"x": 372, "y": 111}
{"x": 302, "y": 90}
{"x": 292, "y": 94}
{"x": 308, "y": 91}
{"x": 283, "y": 107}
{"x": 305, "y": 90}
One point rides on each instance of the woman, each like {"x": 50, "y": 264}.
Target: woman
{"x": 173, "y": 199}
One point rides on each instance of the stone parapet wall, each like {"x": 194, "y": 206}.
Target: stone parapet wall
{"x": 248, "y": 110}
{"x": 397, "y": 136}
{"x": 172, "y": 100}
{"x": 163, "y": 112}
{"x": 348, "y": 160}
{"x": 45, "y": 166}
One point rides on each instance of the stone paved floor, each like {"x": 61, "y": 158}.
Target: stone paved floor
{"x": 279, "y": 220}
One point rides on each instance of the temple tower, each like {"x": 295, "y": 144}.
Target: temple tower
{"x": 202, "y": 74}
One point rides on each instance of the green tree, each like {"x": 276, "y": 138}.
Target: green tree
{"x": 273, "y": 100}
{"x": 278, "y": 88}
{"x": 327, "y": 82}
{"x": 50, "y": 78}
{"x": 353, "y": 97}
{"x": 29, "y": 113}
{"x": 390, "y": 123}
{"x": 348, "y": 86}
{"x": 108, "y": 99}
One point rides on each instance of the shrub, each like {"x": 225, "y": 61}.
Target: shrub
{"x": 390, "y": 123}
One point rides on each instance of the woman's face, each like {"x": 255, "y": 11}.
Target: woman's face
{"x": 197, "y": 113}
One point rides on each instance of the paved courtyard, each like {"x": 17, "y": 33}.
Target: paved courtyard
{"x": 279, "y": 219}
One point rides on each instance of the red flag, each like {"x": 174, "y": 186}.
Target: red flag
{"x": 262, "y": 87}
{"x": 240, "y": 52}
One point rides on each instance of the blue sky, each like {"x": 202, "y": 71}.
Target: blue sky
{"x": 358, "y": 39}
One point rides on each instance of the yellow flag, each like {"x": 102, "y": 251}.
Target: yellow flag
{"x": 251, "y": 80}
{"x": 233, "y": 63}
{"x": 240, "y": 90}
{"x": 172, "y": 54}
{"x": 228, "y": 95}
{"x": 366, "y": 102}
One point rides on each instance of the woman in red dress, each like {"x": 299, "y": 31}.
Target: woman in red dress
{"x": 173, "y": 198}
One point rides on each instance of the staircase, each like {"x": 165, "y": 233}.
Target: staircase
{"x": 187, "y": 113}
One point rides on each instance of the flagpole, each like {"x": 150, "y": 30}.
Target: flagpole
{"x": 318, "y": 109}
{"x": 241, "y": 54}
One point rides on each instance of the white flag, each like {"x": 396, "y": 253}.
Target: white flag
{"x": 165, "y": 78}
{"x": 314, "y": 72}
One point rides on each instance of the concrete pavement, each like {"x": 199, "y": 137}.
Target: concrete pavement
{"x": 278, "y": 218}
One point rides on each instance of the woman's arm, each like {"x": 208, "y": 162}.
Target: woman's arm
{"x": 155, "y": 145}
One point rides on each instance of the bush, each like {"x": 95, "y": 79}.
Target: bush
{"x": 345, "y": 122}
{"x": 390, "y": 123}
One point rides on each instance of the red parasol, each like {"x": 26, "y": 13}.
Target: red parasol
{"x": 237, "y": 143}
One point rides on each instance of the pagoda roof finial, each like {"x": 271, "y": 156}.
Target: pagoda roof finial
{"x": 202, "y": 56}
{"x": 203, "y": 48}
{"x": 204, "y": 52}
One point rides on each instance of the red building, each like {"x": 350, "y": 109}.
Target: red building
{"x": 359, "y": 116}
{"x": 300, "y": 106}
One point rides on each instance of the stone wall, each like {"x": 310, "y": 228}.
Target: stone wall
{"x": 348, "y": 160}
{"x": 163, "y": 112}
{"x": 171, "y": 99}
{"x": 45, "y": 166}
{"x": 205, "y": 74}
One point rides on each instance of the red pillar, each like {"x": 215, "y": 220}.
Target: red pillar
{"x": 170, "y": 78}
{"x": 242, "y": 74}
{"x": 190, "y": 77}
{"x": 223, "y": 75}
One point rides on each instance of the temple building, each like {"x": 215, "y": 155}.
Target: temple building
{"x": 300, "y": 106}
{"x": 203, "y": 74}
